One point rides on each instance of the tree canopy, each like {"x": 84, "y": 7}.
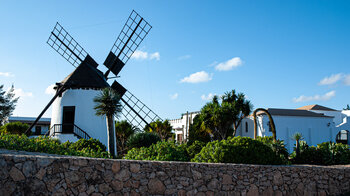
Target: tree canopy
{"x": 163, "y": 129}
{"x": 7, "y": 103}
{"x": 123, "y": 130}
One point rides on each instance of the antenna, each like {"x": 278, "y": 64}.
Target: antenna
{"x": 131, "y": 36}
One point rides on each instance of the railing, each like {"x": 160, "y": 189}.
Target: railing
{"x": 68, "y": 129}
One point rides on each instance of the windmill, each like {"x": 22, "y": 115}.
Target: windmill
{"x": 73, "y": 116}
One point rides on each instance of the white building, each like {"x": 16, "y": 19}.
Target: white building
{"x": 40, "y": 128}
{"x": 182, "y": 125}
{"x": 316, "y": 123}
{"x": 73, "y": 114}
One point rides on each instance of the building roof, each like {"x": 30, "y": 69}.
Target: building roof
{"x": 85, "y": 76}
{"x": 316, "y": 107}
{"x": 28, "y": 119}
{"x": 293, "y": 112}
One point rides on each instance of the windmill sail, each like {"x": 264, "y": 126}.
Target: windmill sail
{"x": 134, "y": 110}
{"x": 61, "y": 41}
{"x": 131, "y": 36}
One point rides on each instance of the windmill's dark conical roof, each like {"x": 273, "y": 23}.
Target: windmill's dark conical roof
{"x": 85, "y": 76}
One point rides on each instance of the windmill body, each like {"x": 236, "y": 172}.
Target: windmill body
{"x": 73, "y": 114}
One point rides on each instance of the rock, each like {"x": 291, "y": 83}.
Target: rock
{"x": 253, "y": 191}
{"x": 117, "y": 185}
{"x": 155, "y": 186}
{"x": 226, "y": 179}
{"x": 196, "y": 175}
{"x": 41, "y": 173}
{"x": 16, "y": 174}
{"x": 90, "y": 190}
{"x": 96, "y": 194}
{"x": 73, "y": 178}
{"x": 104, "y": 188}
{"x": 116, "y": 166}
{"x": 300, "y": 189}
{"x": 122, "y": 175}
{"x": 209, "y": 193}
{"x": 268, "y": 191}
{"x": 28, "y": 168}
{"x": 200, "y": 194}
{"x": 44, "y": 162}
{"x": 181, "y": 193}
{"x": 134, "y": 168}
{"x": 277, "y": 178}
{"x": 134, "y": 193}
{"x": 213, "y": 184}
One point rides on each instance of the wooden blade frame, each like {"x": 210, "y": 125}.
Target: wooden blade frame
{"x": 66, "y": 46}
{"x": 129, "y": 39}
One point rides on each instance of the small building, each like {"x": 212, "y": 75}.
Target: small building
{"x": 181, "y": 126}
{"x": 40, "y": 128}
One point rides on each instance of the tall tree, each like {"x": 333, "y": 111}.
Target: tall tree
{"x": 163, "y": 129}
{"x": 221, "y": 119}
{"x": 123, "y": 130}
{"x": 108, "y": 104}
{"x": 7, "y": 103}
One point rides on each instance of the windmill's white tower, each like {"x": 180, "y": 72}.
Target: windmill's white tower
{"x": 73, "y": 114}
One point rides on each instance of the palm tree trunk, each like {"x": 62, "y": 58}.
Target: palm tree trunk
{"x": 111, "y": 140}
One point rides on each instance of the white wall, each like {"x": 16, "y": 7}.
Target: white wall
{"x": 179, "y": 125}
{"x": 85, "y": 117}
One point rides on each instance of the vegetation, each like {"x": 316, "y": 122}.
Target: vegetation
{"x": 123, "y": 130}
{"x": 14, "y": 128}
{"x": 107, "y": 104}
{"x": 221, "y": 119}
{"x": 53, "y": 146}
{"x": 163, "y": 129}
{"x": 7, "y": 103}
{"x": 347, "y": 107}
{"x": 194, "y": 148}
{"x": 297, "y": 137}
{"x": 142, "y": 139}
{"x": 196, "y": 133}
{"x": 161, "y": 151}
{"x": 238, "y": 150}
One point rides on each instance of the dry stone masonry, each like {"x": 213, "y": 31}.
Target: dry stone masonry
{"x": 24, "y": 173}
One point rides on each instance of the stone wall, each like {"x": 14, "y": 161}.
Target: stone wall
{"x": 23, "y": 173}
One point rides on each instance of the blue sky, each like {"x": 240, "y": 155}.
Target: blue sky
{"x": 281, "y": 54}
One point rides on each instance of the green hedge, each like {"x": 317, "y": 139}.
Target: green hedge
{"x": 142, "y": 139}
{"x": 15, "y": 128}
{"x": 48, "y": 145}
{"x": 161, "y": 151}
{"x": 238, "y": 150}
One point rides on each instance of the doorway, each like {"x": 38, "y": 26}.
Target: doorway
{"x": 68, "y": 119}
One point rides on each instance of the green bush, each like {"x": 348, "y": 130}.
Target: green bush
{"x": 161, "y": 151}
{"x": 142, "y": 139}
{"x": 45, "y": 145}
{"x": 15, "y": 128}
{"x": 238, "y": 150}
{"x": 326, "y": 153}
{"x": 90, "y": 144}
{"x": 278, "y": 147}
{"x": 194, "y": 148}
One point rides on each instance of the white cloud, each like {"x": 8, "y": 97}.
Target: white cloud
{"x": 20, "y": 93}
{"x": 197, "y": 77}
{"x": 6, "y": 74}
{"x": 155, "y": 56}
{"x": 347, "y": 80}
{"x": 49, "y": 90}
{"x": 142, "y": 55}
{"x": 230, "y": 64}
{"x": 184, "y": 57}
{"x": 207, "y": 97}
{"x": 334, "y": 78}
{"x": 174, "y": 96}
{"x": 324, "y": 97}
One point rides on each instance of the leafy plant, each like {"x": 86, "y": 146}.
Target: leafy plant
{"x": 90, "y": 144}
{"x": 15, "y": 128}
{"x": 163, "y": 129}
{"x": 238, "y": 150}
{"x": 123, "y": 130}
{"x": 277, "y": 146}
{"x": 161, "y": 151}
{"x": 142, "y": 139}
{"x": 7, "y": 103}
{"x": 194, "y": 148}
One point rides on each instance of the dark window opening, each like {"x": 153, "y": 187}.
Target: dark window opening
{"x": 37, "y": 130}
{"x": 68, "y": 119}
{"x": 246, "y": 127}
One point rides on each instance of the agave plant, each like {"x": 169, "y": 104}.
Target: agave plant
{"x": 297, "y": 137}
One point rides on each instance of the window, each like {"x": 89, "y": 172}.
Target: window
{"x": 246, "y": 127}
{"x": 37, "y": 130}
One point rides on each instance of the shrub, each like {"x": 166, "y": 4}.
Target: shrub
{"x": 238, "y": 150}
{"x": 142, "y": 139}
{"x": 194, "y": 148}
{"x": 15, "y": 128}
{"x": 161, "y": 151}
{"x": 326, "y": 153}
{"x": 90, "y": 144}
{"x": 278, "y": 147}
{"x": 45, "y": 145}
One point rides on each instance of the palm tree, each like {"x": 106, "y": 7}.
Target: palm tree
{"x": 297, "y": 137}
{"x": 107, "y": 104}
{"x": 162, "y": 129}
